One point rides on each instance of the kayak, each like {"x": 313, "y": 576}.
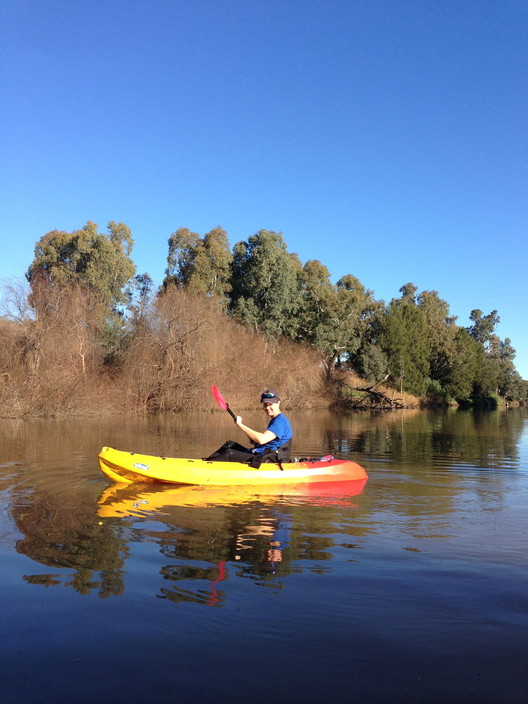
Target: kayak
{"x": 122, "y": 466}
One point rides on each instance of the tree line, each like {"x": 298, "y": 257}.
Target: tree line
{"x": 88, "y": 318}
{"x": 413, "y": 341}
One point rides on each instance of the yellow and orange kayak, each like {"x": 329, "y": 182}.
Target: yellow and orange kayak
{"x": 130, "y": 467}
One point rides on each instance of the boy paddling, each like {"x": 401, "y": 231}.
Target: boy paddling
{"x": 268, "y": 443}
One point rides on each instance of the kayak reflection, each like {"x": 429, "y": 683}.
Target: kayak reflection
{"x": 217, "y": 534}
{"x": 140, "y": 499}
{"x": 256, "y": 552}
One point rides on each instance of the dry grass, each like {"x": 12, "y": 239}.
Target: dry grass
{"x": 54, "y": 365}
{"x": 189, "y": 344}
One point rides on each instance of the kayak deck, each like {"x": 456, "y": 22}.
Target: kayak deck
{"x": 128, "y": 467}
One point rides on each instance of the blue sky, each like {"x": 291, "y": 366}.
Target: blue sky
{"x": 388, "y": 139}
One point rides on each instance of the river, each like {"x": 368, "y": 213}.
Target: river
{"x": 410, "y": 588}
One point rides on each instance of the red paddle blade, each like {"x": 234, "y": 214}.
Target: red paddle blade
{"x": 218, "y": 397}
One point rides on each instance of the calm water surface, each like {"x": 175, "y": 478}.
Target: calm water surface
{"x": 411, "y": 588}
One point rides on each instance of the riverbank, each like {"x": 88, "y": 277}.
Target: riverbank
{"x": 58, "y": 390}
{"x": 352, "y": 394}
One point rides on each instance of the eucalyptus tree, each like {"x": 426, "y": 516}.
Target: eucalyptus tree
{"x": 316, "y": 293}
{"x": 354, "y": 314}
{"x": 141, "y": 295}
{"x": 483, "y": 325}
{"x": 203, "y": 264}
{"x": 87, "y": 258}
{"x": 79, "y": 288}
{"x": 183, "y": 246}
{"x": 265, "y": 290}
{"x": 460, "y": 378}
{"x": 509, "y": 379}
{"x": 333, "y": 318}
{"x": 476, "y": 370}
{"x": 497, "y": 373}
{"x": 408, "y": 293}
{"x": 370, "y": 361}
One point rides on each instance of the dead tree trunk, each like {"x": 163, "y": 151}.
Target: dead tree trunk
{"x": 372, "y": 398}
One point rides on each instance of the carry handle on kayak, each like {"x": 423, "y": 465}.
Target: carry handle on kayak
{"x": 221, "y": 401}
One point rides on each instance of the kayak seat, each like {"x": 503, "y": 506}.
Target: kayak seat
{"x": 280, "y": 455}
{"x": 233, "y": 452}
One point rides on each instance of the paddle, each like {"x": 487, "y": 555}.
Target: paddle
{"x": 221, "y": 402}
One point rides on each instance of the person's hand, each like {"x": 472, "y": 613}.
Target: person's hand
{"x": 238, "y": 420}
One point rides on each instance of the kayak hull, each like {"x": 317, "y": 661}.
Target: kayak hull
{"x": 128, "y": 467}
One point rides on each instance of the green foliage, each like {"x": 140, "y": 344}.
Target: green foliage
{"x": 99, "y": 262}
{"x": 483, "y": 325}
{"x": 316, "y": 292}
{"x": 183, "y": 245}
{"x": 371, "y": 362}
{"x": 201, "y": 264}
{"x": 408, "y": 293}
{"x": 435, "y": 389}
{"x": 66, "y": 264}
{"x": 441, "y": 331}
{"x": 262, "y": 285}
{"x": 414, "y": 338}
{"x": 265, "y": 292}
{"x": 333, "y": 318}
{"x": 461, "y": 373}
{"x": 404, "y": 339}
{"x": 509, "y": 380}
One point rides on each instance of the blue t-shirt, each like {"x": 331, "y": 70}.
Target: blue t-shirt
{"x": 281, "y": 427}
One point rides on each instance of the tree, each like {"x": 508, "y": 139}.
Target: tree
{"x": 497, "y": 373}
{"x": 85, "y": 261}
{"x": 509, "y": 379}
{"x": 140, "y": 299}
{"x": 316, "y": 292}
{"x": 460, "y": 377}
{"x": 408, "y": 292}
{"x": 404, "y": 339}
{"x": 486, "y": 375}
{"x": 212, "y": 270}
{"x": 483, "y": 325}
{"x": 265, "y": 293}
{"x": 371, "y": 362}
{"x": 183, "y": 246}
{"x": 332, "y": 318}
{"x": 98, "y": 262}
{"x": 442, "y": 331}
{"x": 201, "y": 264}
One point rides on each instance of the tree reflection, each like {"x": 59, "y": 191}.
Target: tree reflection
{"x": 63, "y": 531}
{"x": 201, "y": 544}
{"x": 487, "y": 439}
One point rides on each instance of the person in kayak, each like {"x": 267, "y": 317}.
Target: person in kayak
{"x": 271, "y": 445}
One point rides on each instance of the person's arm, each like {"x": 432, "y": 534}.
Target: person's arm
{"x": 254, "y": 435}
